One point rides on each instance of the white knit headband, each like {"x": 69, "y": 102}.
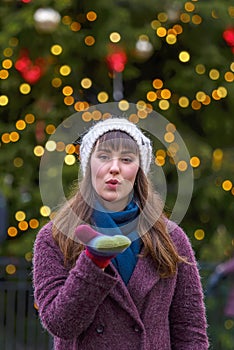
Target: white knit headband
{"x": 120, "y": 124}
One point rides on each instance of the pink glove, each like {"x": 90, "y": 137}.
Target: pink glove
{"x": 101, "y": 248}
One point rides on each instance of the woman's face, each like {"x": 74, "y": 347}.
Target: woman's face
{"x": 113, "y": 173}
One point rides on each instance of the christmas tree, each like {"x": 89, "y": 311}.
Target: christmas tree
{"x": 174, "y": 57}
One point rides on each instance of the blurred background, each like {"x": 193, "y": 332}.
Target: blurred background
{"x": 60, "y": 57}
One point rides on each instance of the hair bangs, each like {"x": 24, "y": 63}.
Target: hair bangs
{"x": 118, "y": 140}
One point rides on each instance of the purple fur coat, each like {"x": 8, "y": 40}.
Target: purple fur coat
{"x": 85, "y": 308}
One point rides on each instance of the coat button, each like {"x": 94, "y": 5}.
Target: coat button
{"x": 100, "y": 329}
{"x": 137, "y": 329}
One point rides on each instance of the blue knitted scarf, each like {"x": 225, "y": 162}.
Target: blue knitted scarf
{"x": 117, "y": 223}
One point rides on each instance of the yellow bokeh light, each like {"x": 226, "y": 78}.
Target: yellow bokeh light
{"x": 196, "y": 19}
{"x": 196, "y": 105}
{"x": 169, "y": 137}
{"x": 89, "y": 40}
{"x": 60, "y": 146}
{"x": 195, "y": 162}
{"x": 171, "y": 127}
{"x": 207, "y": 100}
{"x": 162, "y": 17}
{"x": 12, "y": 231}
{"x": 222, "y": 92}
{"x": 56, "y": 82}
{"x": 81, "y": 106}
{"x": 3, "y": 100}
{"x": 214, "y": 74}
{"x": 38, "y": 151}
{"x": 183, "y": 102}
{"x": 65, "y": 70}
{"x": 18, "y": 162}
{"x": 115, "y": 37}
{"x": 189, "y": 6}
{"x": 20, "y": 124}
{"x": 96, "y": 115}
{"x": 133, "y": 118}
{"x": 199, "y": 234}
{"x": 70, "y": 159}
{"x": 87, "y": 116}
{"x": 232, "y": 66}
{"x": 227, "y": 185}
{"x": 29, "y": 118}
{"x": 91, "y": 16}
{"x": 229, "y": 77}
{"x": 142, "y": 114}
{"x": 14, "y": 136}
{"x": 185, "y": 17}
{"x": 67, "y": 90}
{"x": 20, "y": 215}
{"x": 218, "y": 154}
{"x": 171, "y": 39}
{"x": 184, "y": 56}
{"x": 33, "y": 223}
{"x": 56, "y": 49}
{"x": 215, "y": 95}
{"x": 28, "y": 256}
{"x": 6, "y": 137}
{"x": 4, "y": 74}
{"x": 155, "y": 24}
{"x": 166, "y": 94}
{"x": 200, "y": 96}
{"x": 10, "y": 269}
{"x": 178, "y": 28}
{"x": 151, "y": 96}
{"x": 157, "y": 83}
{"x": 69, "y": 100}
{"x": 45, "y": 211}
{"x": 123, "y": 105}
{"x": 50, "y": 129}
{"x": 8, "y": 52}
{"x": 164, "y": 105}
{"x": 229, "y": 324}
{"x": 86, "y": 83}
{"x": 182, "y": 165}
{"x": 7, "y": 64}
{"x": 66, "y": 20}
{"x": 200, "y": 69}
{"x": 161, "y": 32}
{"x": 75, "y": 26}
{"x": 23, "y": 225}
{"x": 70, "y": 148}
{"x": 102, "y": 97}
{"x": 25, "y": 88}
{"x": 159, "y": 160}
{"x": 50, "y": 146}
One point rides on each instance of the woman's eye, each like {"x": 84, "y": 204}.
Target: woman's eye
{"x": 126, "y": 160}
{"x": 103, "y": 157}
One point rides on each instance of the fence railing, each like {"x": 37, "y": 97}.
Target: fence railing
{"x": 20, "y": 328}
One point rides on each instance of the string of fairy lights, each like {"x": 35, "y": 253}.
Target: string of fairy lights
{"x": 158, "y": 94}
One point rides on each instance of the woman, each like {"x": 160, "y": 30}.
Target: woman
{"x": 110, "y": 271}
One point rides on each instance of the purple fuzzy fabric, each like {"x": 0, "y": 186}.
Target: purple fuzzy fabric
{"x": 85, "y": 308}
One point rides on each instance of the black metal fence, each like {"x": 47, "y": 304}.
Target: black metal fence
{"x": 20, "y": 328}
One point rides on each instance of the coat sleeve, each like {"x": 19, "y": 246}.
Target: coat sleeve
{"x": 187, "y": 313}
{"x": 67, "y": 300}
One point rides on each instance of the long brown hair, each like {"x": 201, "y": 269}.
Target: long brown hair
{"x": 152, "y": 224}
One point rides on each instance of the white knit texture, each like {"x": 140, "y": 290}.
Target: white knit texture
{"x": 110, "y": 124}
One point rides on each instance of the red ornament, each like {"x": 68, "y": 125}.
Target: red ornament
{"x": 116, "y": 60}
{"x": 228, "y": 36}
{"x": 31, "y": 72}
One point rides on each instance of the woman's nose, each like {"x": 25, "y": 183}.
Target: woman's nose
{"x": 114, "y": 166}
